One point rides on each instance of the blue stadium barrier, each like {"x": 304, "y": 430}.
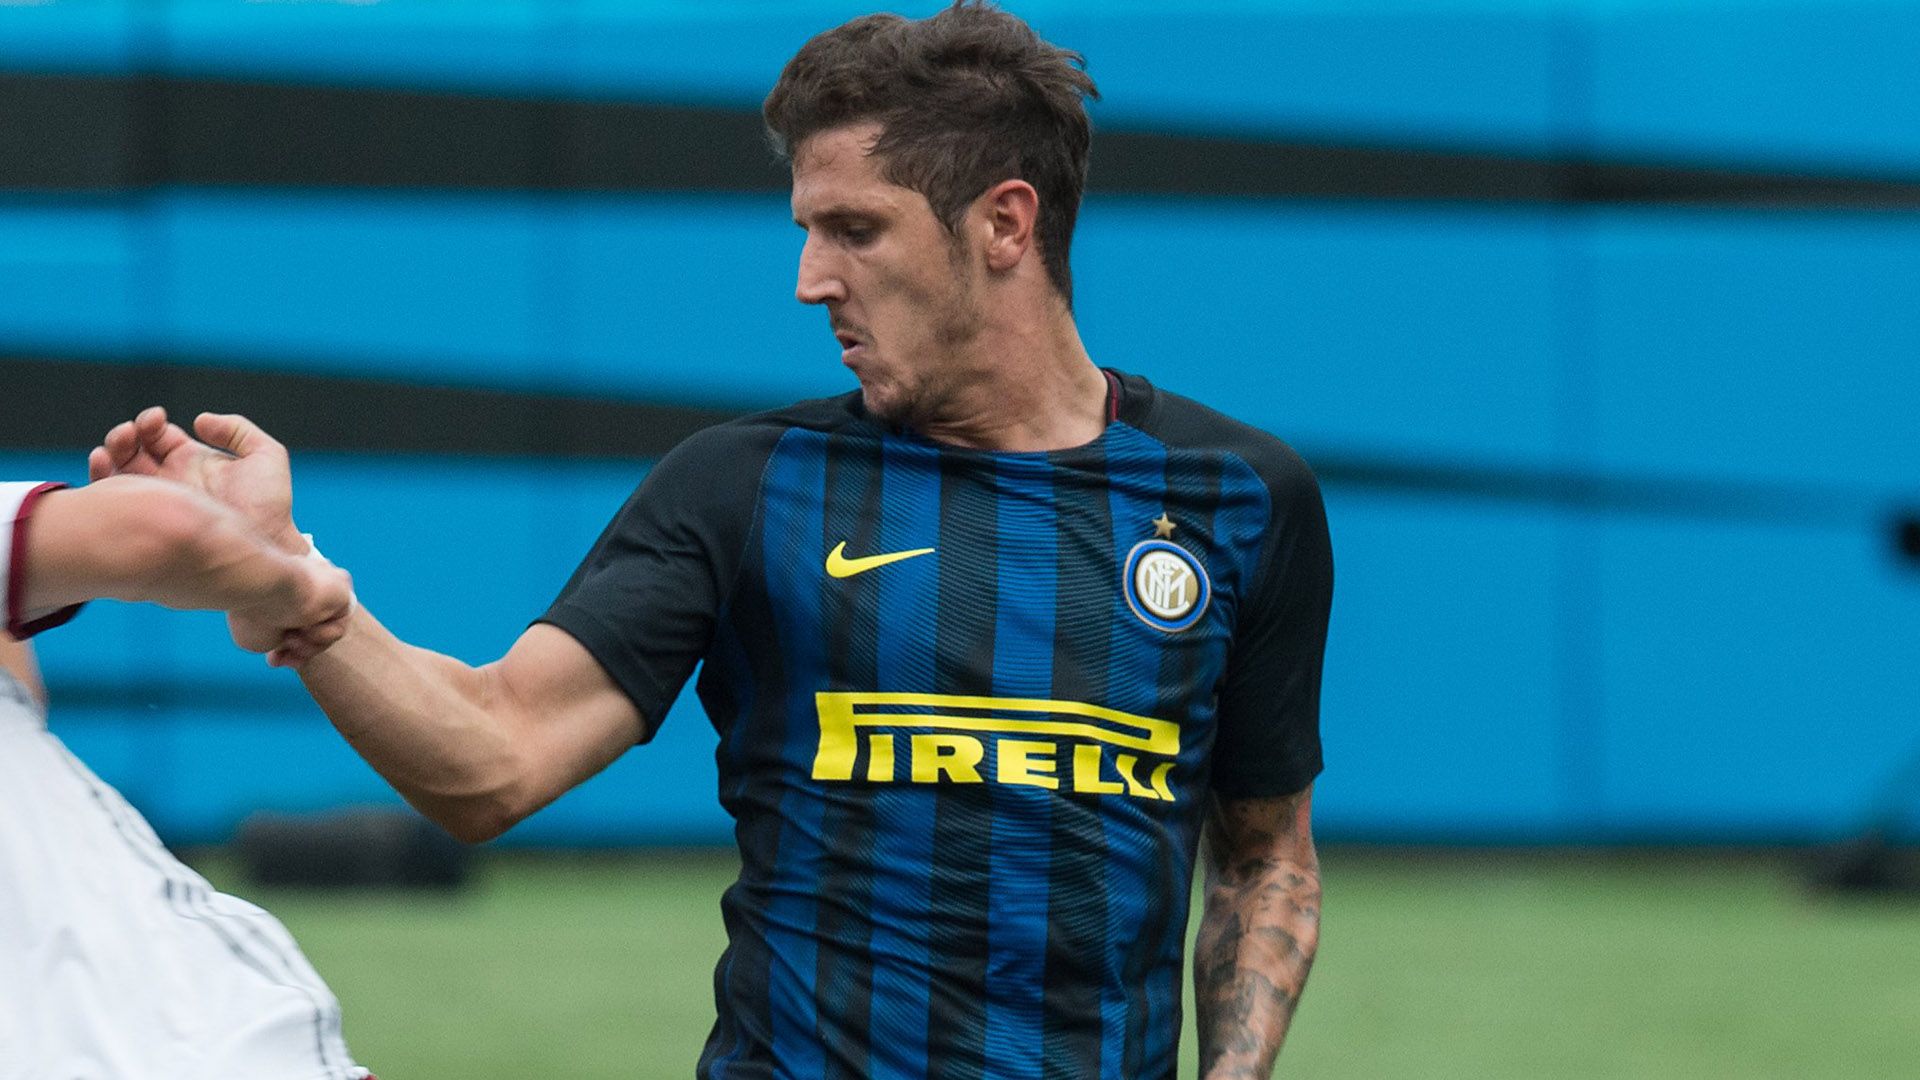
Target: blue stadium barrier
{"x": 1546, "y": 663}
{"x": 1344, "y": 325}
{"x": 1637, "y": 342}
{"x": 99, "y": 35}
{"x": 72, "y": 276}
{"x": 1444, "y": 688}
{"x": 1805, "y": 85}
{"x": 1755, "y": 683}
{"x": 1760, "y": 347}
{"x": 1349, "y": 328}
{"x": 1791, "y": 84}
{"x": 1472, "y": 72}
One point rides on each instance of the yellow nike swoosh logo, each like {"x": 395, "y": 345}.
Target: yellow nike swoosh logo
{"x": 838, "y": 565}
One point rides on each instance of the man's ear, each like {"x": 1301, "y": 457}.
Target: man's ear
{"x": 1009, "y": 210}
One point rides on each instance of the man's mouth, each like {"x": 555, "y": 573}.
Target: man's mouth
{"x": 849, "y": 345}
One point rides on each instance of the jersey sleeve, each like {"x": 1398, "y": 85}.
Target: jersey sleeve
{"x": 17, "y": 501}
{"x": 646, "y": 598}
{"x": 1269, "y": 728}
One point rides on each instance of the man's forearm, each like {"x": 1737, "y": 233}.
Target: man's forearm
{"x": 130, "y": 538}
{"x": 1258, "y": 932}
{"x": 424, "y": 722}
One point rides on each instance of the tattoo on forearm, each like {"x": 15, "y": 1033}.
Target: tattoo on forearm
{"x": 1258, "y": 933}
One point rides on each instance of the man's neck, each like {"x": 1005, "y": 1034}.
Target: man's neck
{"x": 1033, "y": 391}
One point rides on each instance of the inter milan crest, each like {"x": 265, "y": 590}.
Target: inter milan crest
{"x": 1165, "y": 585}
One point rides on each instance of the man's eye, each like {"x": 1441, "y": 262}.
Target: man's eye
{"x": 857, "y": 235}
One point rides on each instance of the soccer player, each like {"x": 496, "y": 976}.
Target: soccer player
{"x": 990, "y": 644}
{"x": 115, "y": 959}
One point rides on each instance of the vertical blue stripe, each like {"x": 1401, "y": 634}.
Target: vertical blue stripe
{"x": 1136, "y": 471}
{"x": 795, "y": 545}
{"x": 1241, "y": 521}
{"x": 1022, "y": 851}
{"x": 1241, "y": 517}
{"x": 903, "y": 813}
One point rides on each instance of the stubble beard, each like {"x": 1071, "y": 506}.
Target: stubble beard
{"x": 956, "y": 322}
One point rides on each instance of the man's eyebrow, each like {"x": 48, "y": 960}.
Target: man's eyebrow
{"x": 839, "y": 214}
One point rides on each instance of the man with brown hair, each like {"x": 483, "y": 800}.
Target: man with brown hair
{"x": 989, "y": 643}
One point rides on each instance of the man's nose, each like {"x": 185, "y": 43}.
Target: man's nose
{"x": 820, "y": 281}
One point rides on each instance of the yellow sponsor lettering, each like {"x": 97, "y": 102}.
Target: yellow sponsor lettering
{"x": 1086, "y": 772}
{"x": 955, "y": 756}
{"x": 1024, "y": 762}
{"x": 880, "y": 757}
{"x": 1159, "y": 780}
{"x": 1125, "y": 763}
{"x": 1035, "y": 742}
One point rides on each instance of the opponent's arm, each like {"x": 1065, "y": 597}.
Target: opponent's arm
{"x": 132, "y": 538}
{"x": 474, "y": 749}
{"x": 1259, "y": 927}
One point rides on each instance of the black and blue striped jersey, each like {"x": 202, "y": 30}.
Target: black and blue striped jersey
{"x": 969, "y": 707}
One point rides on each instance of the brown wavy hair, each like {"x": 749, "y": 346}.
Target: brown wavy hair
{"x": 964, "y": 99}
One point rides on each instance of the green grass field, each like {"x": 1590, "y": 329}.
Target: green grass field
{"x": 1431, "y": 965}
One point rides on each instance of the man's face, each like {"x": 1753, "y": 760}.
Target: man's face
{"x": 899, "y": 290}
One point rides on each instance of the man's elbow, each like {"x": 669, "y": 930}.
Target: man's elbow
{"x": 477, "y": 814}
{"x": 469, "y": 821}
{"x": 476, "y": 829}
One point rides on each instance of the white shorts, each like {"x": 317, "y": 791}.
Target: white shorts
{"x": 117, "y": 962}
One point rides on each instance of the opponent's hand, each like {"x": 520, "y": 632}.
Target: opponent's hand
{"x": 233, "y": 461}
{"x": 300, "y": 620}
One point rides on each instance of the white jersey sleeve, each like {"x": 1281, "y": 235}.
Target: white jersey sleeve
{"x": 16, "y": 507}
{"x": 117, "y": 960}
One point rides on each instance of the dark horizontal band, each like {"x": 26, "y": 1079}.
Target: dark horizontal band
{"x": 118, "y": 134}
{"x": 75, "y": 696}
{"x": 66, "y": 405}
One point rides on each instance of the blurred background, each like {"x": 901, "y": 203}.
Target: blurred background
{"x": 1597, "y": 319}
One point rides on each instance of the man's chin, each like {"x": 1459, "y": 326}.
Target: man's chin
{"x": 884, "y": 405}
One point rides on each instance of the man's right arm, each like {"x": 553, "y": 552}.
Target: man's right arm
{"x": 476, "y": 749}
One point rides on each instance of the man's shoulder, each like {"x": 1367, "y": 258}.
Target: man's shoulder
{"x": 761, "y": 431}
{"x": 723, "y": 465}
{"x": 1182, "y": 423}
